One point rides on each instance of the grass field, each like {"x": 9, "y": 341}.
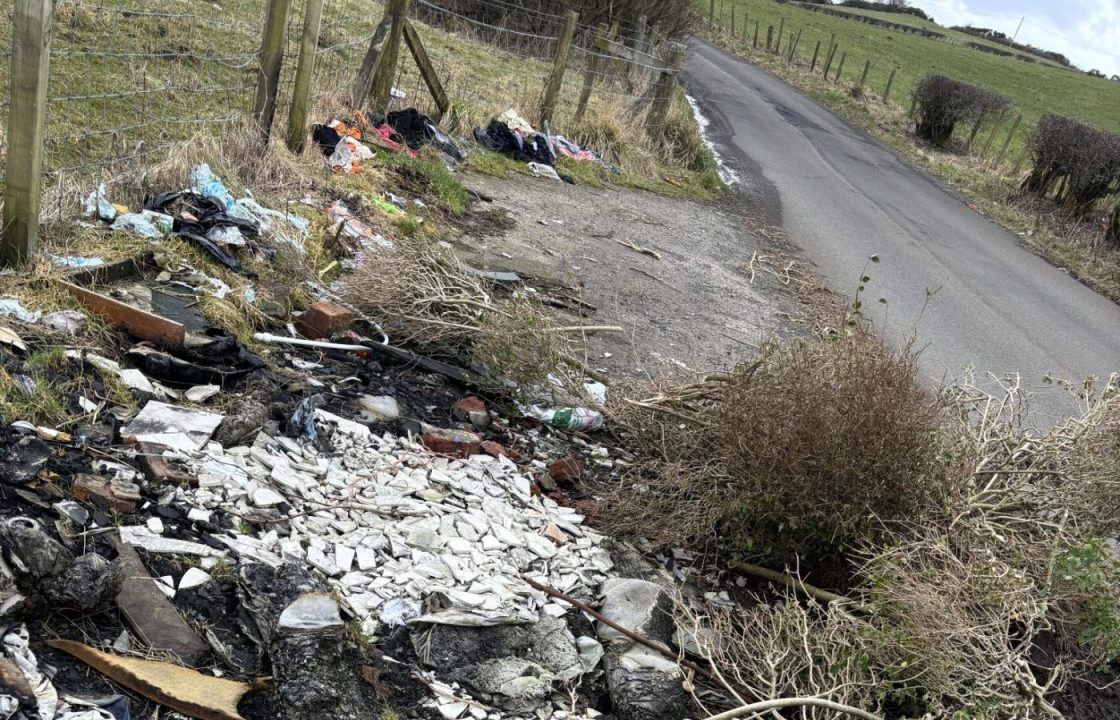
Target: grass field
{"x": 1035, "y": 88}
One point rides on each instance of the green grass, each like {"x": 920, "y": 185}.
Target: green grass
{"x": 1035, "y": 88}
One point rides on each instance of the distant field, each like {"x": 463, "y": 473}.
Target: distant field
{"x": 1036, "y": 88}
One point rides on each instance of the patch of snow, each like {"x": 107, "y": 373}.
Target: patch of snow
{"x": 726, "y": 174}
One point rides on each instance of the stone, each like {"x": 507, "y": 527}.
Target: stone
{"x": 323, "y": 320}
{"x": 473, "y": 410}
{"x": 311, "y": 611}
{"x": 192, "y": 578}
{"x": 379, "y": 408}
{"x": 493, "y": 449}
{"x": 267, "y": 497}
{"x": 453, "y": 443}
{"x": 155, "y": 525}
{"x": 566, "y": 469}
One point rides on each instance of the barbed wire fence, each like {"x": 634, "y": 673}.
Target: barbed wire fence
{"x": 127, "y": 81}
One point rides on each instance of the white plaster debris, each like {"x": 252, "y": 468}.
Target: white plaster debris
{"x": 387, "y": 522}
{"x": 401, "y": 535}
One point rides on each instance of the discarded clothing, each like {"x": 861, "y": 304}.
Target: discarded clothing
{"x": 567, "y": 148}
{"x": 515, "y": 121}
{"x": 513, "y": 143}
{"x": 195, "y": 215}
{"x": 417, "y": 130}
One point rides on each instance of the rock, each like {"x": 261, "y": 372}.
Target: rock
{"x": 643, "y": 684}
{"x": 193, "y": 578}
{"x": 90, "y": 584}
{"x": 566, "y": 469}
{"x": 379, "y": 408}
{"x": 311, "y": 611}
{"x": 473, "y": 410}
{"x": 455, "y": 443}
{"x": 493, "y": 449}
{"x": 155, "y": 525}
{"x": 516, "y": 664}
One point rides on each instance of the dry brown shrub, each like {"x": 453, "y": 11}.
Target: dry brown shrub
{"x": 804, "y": 451}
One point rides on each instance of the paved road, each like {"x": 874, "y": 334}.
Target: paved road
{"x": 842, "y": 197}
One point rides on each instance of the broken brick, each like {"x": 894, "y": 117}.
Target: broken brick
{"x": 493, "y": 448}
{"x": 323, "y": 320}
{"x": 472, "y": 409}
{"x": 455, "y": 443}
{"x": 92, "y": 489}
{"x": 157, "y": 470}
{"x": 566, "y": 469}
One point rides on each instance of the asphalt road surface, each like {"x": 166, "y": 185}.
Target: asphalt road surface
{"x": 843, "y": 196}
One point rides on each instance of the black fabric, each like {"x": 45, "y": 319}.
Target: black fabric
{"x": 498, "y": 137}
{"x": 412, "y": 128}
{"x": 326, "y": 138}
{"x": 207, "y": 213}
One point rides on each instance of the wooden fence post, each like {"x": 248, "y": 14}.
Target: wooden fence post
{"x": 1022, "y": 156}
{"x": 427, "y": 70}
{"x": 995, "y": 129}
{"x": 272, "y": 56}
{"x": 559, "y": 63}
{"x": 781, "y": 31}
{"x": 309, "y": 43}
{"x": 746, "y": 31}
{"x": 890, "y": 81}
{"x": 732, "y": 28}
{"x": 32, "y": 28}
{"x": 663, "y": 96}
{"x": 1007, "y": 142}
{"x": 840, "y": 67}
{"x": 597, "y": 48}
{"x": 793, "y": 45}
{"x": 381, "y": 86}
{"x": 828, "y": 61}
{"x": 756, "y": 33}
{"x": 973, "y": 133}
{"x": 364, "y": 78}
{"x": 712, "y": 14}
{"x": 816, "y": 51}
{"x": 863, "y": 77}
{"x": 769, "y": 37}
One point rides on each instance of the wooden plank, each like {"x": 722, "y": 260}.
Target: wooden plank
{"x": 140, "y": 323}
{"x": 427, "y": 70}
{"x": 382, "y": 83}
{"x": 272, "y": 57}
{"x": 559, "y": 64}
{"x": 30, "y": 67}
{"x": 362, "y": 80}
{"x": 151, "y": 615}
{"x": 309, "y": 43}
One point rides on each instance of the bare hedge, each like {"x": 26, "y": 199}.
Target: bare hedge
{"x": 1076, "y": 163}
{"x": 942, "y": 102}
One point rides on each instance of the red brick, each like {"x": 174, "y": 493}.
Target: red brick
{"x": 323, "y": 319}
{"x": 92, "y": 489}
{"x": 566, "y": 469}
{"x": 454, "y": 443}
{"x": 492, "y": 448}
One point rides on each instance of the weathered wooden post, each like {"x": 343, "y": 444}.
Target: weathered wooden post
{"x": 1007, "y": 142}
{"x": 559, "y": 63}
{"x": 382, "y": 83}
{"x": 732, "y": 28}
{"x": 746, "y": 23}
{"x": 309, "y": 42}
{"x": 364, "y": 78}
{"x": 863, "y": 77}
{"x": 828, "y": 62}
{"x": 712, "y": 14}
{"x": 995, "y": 129}
{"x": 816, "y": 51}
{"x": 427, "y": 70}
{"x": 756, "y": 33}
{"x": 769, "y": 37}
{"x": 840, "y": 67}
{"x": 890, "y": 81}
{"x": 598, "y": 48}
{"x": 272, "y": 57}
{"x": 781, "y": 31}
{"x": 32, "y": 28}
{"x": 663, "y": 96}
{"x": 793, "y": 45}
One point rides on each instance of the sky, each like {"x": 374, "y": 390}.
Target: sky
{"x": 1085, "y": 31}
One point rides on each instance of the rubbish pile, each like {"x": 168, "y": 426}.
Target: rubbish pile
{"x": 347, "y": 146}
{"x": 512, "y": 135}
